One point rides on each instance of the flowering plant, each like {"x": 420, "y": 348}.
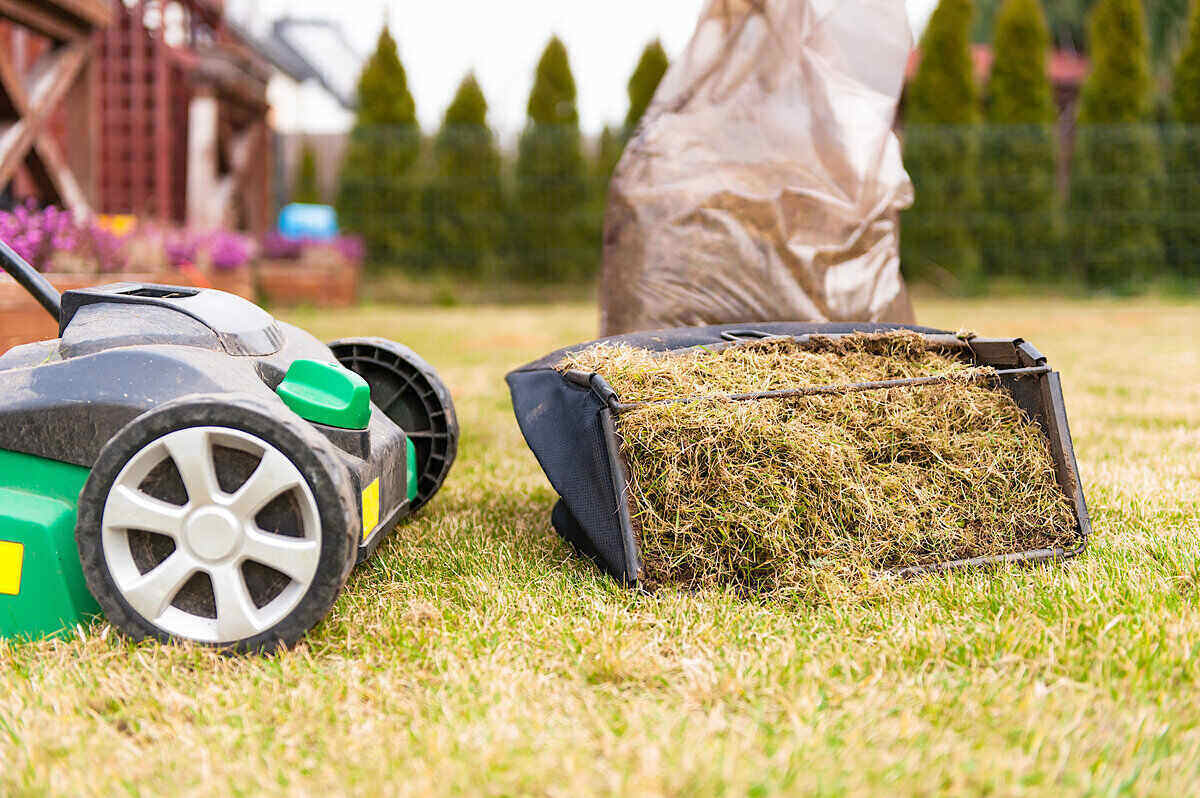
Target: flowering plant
{"x": 182, "y": 249}
{"x": 37, "y": 236}
{"x": 229, "y": 251}
{"x": 350, "y": 249}
{"x": 277, "y": 246}
{"x": 53, "y": 241}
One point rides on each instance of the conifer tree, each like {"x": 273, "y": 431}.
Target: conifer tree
{"x": 609, "y": 148}
{"x": 644, "y": 82}
{"x": 1017, "y": 171}
{"x": 307, "y": 188}
{"x": 941, "y": 151}
{"x": 1117, "y": 171}
{"x": 1183, "y": 227}
{"x": 1165, "y": 20}
{"x": 464, "y": 203}
{"x": 553, "y": 236}
{"x": 1167, "y": 25}
{"x": 377, "y": 196}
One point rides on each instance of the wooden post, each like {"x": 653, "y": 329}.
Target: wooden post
{"x": 204, "y": 207}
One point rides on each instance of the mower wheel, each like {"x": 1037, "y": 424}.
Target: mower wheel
{"x": 220, "y": 520}
{"x": 409, "y": 392}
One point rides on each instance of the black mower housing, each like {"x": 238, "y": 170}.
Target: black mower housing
{"x": 127, "y": 348}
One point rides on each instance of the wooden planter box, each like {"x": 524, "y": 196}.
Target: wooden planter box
{"x": 323, "y": 284}
{"x": 23, "y": 320}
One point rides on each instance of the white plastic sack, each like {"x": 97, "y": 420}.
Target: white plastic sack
{"x": 765, "y": 182}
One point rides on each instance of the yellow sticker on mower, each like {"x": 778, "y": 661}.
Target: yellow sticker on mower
{"x": 370, "y": 507}
{"x": 12, "y": 557}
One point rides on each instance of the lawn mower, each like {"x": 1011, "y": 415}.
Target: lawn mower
{"x": 198, "y": 470}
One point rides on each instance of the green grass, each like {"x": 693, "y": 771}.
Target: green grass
{"x": 476, "y": 656}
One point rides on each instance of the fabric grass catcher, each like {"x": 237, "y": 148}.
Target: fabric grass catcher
{"x": 714, "y": 456}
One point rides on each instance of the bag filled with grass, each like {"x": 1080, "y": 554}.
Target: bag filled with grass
{"x": 835, "y": 475}
{"x": 760, "y": 493}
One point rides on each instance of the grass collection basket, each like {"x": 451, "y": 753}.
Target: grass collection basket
{"x": 572, "y": 420}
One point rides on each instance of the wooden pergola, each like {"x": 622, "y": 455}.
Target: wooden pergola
{"x": 184, "y": 119}
{"x": 154, "y": 108}
{"x": 46, "y": 82}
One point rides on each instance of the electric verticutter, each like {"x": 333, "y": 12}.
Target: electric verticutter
{"x": 198, "y": 470}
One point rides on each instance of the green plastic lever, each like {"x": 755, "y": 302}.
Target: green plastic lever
{"x": 326, "y": 393}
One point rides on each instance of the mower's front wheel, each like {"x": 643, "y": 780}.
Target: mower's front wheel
{"x": 409, "y": 392}
{"x": 220, "y": 520}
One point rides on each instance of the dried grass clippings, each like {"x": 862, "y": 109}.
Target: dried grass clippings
{"x": 776, "y": 495}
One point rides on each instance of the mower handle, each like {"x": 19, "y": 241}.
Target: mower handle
{"x": 31, "y": 280}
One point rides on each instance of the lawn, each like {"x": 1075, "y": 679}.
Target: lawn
{"x": 474, "y": 655}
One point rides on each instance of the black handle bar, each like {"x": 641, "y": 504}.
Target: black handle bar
{"x": 31, "y": 280}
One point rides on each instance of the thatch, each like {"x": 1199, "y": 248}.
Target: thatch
{"x": 762, "y": 494}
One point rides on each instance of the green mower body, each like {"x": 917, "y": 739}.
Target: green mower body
{"x": 42, "y": 588}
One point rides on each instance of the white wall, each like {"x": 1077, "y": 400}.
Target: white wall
{"x": 305, "y": 108}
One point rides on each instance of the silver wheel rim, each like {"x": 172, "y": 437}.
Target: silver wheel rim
{"x": 214, "y": 533}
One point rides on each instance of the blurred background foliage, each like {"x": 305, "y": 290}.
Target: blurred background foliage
{"x": 1014, "y": 184}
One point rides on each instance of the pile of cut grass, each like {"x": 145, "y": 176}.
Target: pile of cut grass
{"x": 767, "y": 494}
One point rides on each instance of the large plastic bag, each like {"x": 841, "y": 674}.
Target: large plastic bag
{"x": 765, "y": 182}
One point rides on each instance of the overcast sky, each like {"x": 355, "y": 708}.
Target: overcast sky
{"x": 502, "y": 39}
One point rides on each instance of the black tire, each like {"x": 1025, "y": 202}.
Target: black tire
{"x": 318, "y": 464}
{"x": 409, "y": 392}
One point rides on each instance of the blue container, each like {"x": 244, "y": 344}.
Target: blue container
{"x": 313, "y": 222}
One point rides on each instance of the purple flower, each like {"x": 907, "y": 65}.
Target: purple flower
{"x": 280, "y": 247}
{"x": 182, "y": 250}
{"x": 229, "y": 251}
{"x": 38, "y": 235}
{"x": 352, "y": 248}
{"x": 107, "y": 249}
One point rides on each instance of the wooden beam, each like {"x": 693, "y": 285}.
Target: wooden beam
{"x": 53, "y": 76}
{"x": 36, "y": 102}
{"x": 41, "y": 19}
{"x": 14, "y": 146}
{"x": 11, "y": 85}
{"x": 59, "y": 20}
{"x": 18, "y": 136}
{"x": 26, "y": 141}
{"x": 8, "y": 111}
{"x": 82, "y": 119}
{"x": 96, "y": 13}
{"x": 43, "y": 183}
{"x": 48, "y": 155}
{"x": 137, "y": 113}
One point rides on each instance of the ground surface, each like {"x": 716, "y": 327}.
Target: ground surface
{"x": 475, "y": 656}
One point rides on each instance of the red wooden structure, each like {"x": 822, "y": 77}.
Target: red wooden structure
{"x": 46, "y": 81}
{"x": 153, "y": 108}
{"x": 183, "y": 117}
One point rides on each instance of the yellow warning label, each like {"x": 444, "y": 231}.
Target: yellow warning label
{"x": 12, "y": 555}
{"x": 370, "y": 504}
